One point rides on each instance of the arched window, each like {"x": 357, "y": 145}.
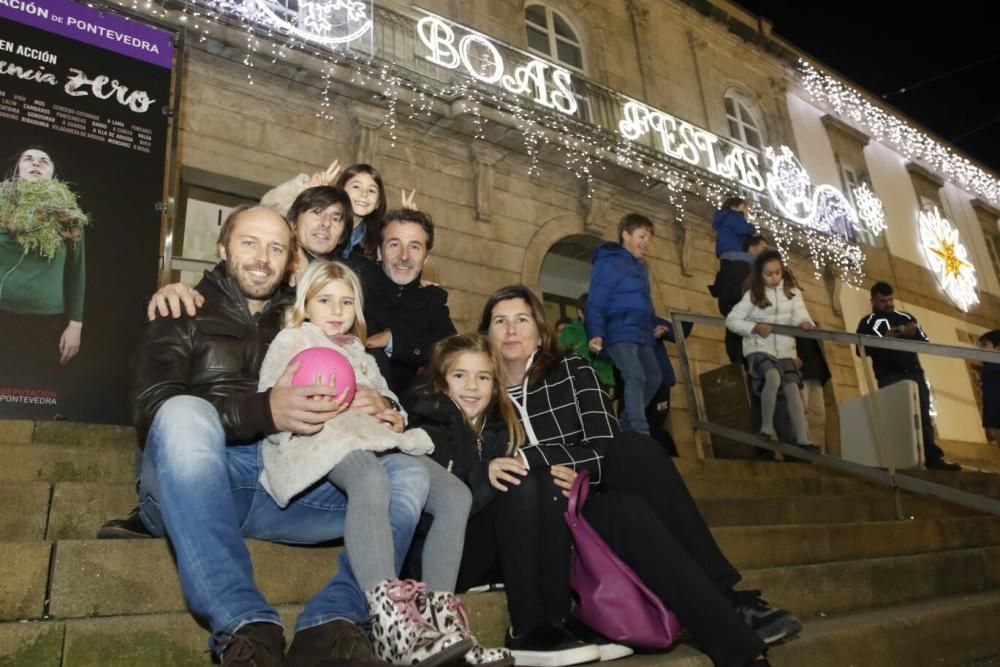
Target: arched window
{"x": 551, "y": 35}
{"x": 745, "y": 122}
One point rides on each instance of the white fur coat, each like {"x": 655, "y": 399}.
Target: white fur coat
{"x": 280, "y": 197}
{"x": 293, "y": 463}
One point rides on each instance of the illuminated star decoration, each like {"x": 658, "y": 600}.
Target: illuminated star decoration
{"x": 870, "y": 209}
{"x": 947, "y": 258}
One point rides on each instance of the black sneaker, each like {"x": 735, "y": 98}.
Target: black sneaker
{"x": 609, "y": 649}
{"x": 255, "y": 645}
{"x": 770, "y": 624}
{"x": 323, "y": 645}
{"x": 942, "y": 464}
{"x": 550, "y": 645}
{"x": 129, "y": 528}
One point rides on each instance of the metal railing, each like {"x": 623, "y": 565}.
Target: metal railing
{"x": 888, "y": 476}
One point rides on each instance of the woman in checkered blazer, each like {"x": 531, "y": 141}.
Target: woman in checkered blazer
{"x": 641, "y": 506}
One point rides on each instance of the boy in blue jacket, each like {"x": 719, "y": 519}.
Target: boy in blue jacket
{"x": 731, "y": 229}
{"x": 619, "y": 316}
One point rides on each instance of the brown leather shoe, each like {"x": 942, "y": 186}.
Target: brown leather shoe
{"x": 255, "y": 645}
{"x": 129, "y": 528}
{"x": 333, "y": 643}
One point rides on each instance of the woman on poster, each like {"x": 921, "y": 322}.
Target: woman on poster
{"x": 42, "y": 264}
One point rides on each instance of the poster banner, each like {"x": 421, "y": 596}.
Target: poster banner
{"x": 83, "y": 139}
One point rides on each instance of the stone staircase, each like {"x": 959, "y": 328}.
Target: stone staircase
{"x": 872, "y": 589}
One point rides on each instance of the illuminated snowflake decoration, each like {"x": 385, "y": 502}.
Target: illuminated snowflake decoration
{"x": 823, "y": 208}
{"x": 329, "y": 23}
{"x": 789, "y": 184}
{"x": 870, "y": 209}
{"x": 948, "y": 259}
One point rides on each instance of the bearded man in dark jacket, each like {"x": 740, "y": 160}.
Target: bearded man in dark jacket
{"x": 404, "y": 317}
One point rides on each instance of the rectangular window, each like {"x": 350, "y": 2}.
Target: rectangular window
{"x": 993, "y": 247}
{"x": 204, "y": 201}
{"x": 569, "y": 54}
{"x": 849, "y": 153}
{"x": 851, "y": 178}
{"x": 991, "y": 232}
{"x": 538, "y": 40}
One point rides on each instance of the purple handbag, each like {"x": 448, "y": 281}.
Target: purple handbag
{"x": 613, "y": 599}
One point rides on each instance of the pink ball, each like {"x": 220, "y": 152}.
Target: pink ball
{"x": 324, "y": 362}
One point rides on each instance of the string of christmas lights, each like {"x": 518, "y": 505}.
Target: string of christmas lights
{"x": 546, "y": 133}
{"x": 850, "y": 105}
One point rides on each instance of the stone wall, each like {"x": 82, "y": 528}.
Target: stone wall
{"x": 269, "y": 131}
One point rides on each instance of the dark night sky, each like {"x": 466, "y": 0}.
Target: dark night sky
{"x": 884, "y": 46}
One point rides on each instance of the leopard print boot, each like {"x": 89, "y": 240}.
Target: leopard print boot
{"x": 401, "y": 635}
{"x": 446, "y": 612}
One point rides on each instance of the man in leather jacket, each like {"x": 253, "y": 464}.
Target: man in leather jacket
{"x": 202, "y": 418}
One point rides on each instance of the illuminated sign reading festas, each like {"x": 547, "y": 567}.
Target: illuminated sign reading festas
{"x": 684, "y": 141}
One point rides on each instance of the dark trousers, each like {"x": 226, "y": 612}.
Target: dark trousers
{"x": 524, "y": 534}
{"x": 734, "y": 347}
{"x": 647, "y": 515}
{"x": 728, "y": 289}
{"x": 656, "y": 413}
{"x": 931, "y": 451}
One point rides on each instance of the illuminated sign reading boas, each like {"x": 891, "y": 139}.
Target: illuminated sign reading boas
{"x": 329, "y": 23}
{"x": 478, "y": 56}
{"x": 948, "y": 258}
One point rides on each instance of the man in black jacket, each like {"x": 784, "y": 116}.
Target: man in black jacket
{"x": 202, "y": 419}
{"x": 404, "y": 318}
{"x": 892, "y": 366}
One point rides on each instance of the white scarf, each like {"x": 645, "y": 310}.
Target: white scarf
{"x": 522, "y": 408}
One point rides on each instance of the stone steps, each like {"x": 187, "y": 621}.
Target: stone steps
{"x": 964, "y": 633}
{"x": 75, "y": 510}
{"x": 822, "y": 509}
{"x": 31, "y": 462}
{"x": 797, "y": 544}
{"x": 873, "y": 589}
{"x": 101, "y": 578}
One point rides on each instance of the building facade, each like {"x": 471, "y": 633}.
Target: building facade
{"x": 528, "y": 128}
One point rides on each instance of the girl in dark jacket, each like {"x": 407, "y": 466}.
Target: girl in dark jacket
{"x": 476, "y": 435}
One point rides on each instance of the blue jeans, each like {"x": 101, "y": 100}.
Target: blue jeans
{"x": 205, "y": 496}
{"x": 641, "y": 373}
